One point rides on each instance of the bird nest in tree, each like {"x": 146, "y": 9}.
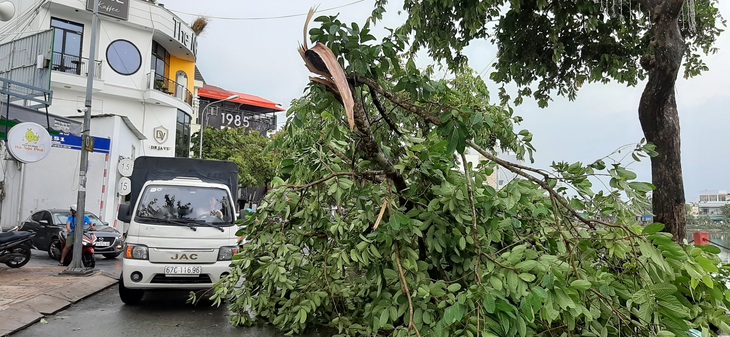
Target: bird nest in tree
{"x": 199, "y": 25}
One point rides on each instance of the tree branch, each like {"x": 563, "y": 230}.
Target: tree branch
{"x": 388, "y": 95}
{"x": 475, "y": 232}
{"x": 404, "y": 286}
{"x": 381, "y": 109}
{"x": 372, "y": 150}
{"x": 333, "y": 175}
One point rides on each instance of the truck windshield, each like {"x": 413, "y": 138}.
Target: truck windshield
{"x": 202, "y": 205}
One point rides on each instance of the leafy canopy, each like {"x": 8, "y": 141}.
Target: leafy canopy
{"x": 382, "y": 231}
{"x": 249, "y": 150}
{"x": 554, "y": 47}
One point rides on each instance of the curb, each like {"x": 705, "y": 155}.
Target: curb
{"x": 18, "y": 315}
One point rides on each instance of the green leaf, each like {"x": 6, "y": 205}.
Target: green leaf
{"x": 496, "y": 283}
{"x": 625, "y": 174}
{"x": 384, "y": 317}
{"x": 453, "y": 313}
{"x": 454, "y": 287}
{"x": 710, "y": 249}
{"x": 526, "y": 265}
{"x": 390, "y": 274}
{"x": 581, "y": 285}
{"x": 664, "y": 289}
{"x": 641, "y": 187}
{"x": 527, "y": 277}
{"x": 707, "y": 264}
{"x": 653, "y": 228}
{"x": 462, "y": 243}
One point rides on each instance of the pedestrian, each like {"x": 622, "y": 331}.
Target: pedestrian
{"x": 70, "y": 227}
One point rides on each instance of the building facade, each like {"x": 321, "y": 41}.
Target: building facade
{"x": 144, "y": 94}
{"x": 711, "y": 203}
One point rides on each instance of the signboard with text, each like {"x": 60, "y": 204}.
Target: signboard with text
{"x": 114, "y": 8}
{"x": 240, "y": 119}
{"x": 29, "y": 142}
{"x": 101, "y": 145}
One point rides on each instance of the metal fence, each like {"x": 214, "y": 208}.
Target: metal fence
{"x": 170, "y": 87}
{"x": 74, "y": 65}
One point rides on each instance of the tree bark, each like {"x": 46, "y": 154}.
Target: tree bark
{"x": 659, "y": 116}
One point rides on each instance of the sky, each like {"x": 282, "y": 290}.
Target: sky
{"x": 251, "y": 47}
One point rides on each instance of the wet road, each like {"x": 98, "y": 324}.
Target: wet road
{"x": 161, "y": 314}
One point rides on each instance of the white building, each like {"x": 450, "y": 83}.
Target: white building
{"x": 143, "y": 95}
{"x": 711, "y": 203}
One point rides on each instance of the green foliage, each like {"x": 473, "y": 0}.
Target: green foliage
{"x": 256, "y": 164}
{"x": 337, "y": 243}
{"x": 551, "y": 48}
{"x": 726, "y": 211}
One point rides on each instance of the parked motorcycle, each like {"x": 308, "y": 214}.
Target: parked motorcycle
{"x": 87, "y": 249}
{"x": 15, "y": 248}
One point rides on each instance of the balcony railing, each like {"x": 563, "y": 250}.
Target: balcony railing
{"x": 170, "y": 87}
{"x": 74, "y": 65}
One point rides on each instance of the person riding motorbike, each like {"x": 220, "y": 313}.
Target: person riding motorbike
{"x": 70, "y": 227}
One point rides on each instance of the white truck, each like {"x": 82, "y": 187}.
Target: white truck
{"x": 182, "y": 232}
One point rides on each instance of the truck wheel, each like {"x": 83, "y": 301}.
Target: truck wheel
{"x": 129, "y": 296}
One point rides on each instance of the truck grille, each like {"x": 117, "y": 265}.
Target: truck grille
{"x": 161, "y": 278}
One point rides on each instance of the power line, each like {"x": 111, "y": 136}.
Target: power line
{"x": 268, "y": 17}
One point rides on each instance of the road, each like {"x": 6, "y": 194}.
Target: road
{"x": 161, "y": 314}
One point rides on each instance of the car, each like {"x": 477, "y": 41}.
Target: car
{"x": 50, "y": 224}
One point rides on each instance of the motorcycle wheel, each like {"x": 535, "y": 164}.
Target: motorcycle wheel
{"x": 88, "y": 260}
{"x": 129, "y": 296}
{"x": 25, "y": 251}
{"x": 55, "y": 249}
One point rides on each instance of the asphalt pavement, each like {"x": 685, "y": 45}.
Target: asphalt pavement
{"x": 38, "y": 289}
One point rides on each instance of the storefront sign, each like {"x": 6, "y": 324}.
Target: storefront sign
{"x": 160, "y": 148}
{"x": 263, "y": 123}
{"x": 160, "y": 134}
{"x": 29, "y": 142}
{"x": 114, "y": 8}
{"x": 185, "y": 35}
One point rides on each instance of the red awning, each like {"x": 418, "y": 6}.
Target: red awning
{"x": 216, "y": 93}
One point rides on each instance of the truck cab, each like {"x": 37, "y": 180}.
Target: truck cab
{"x": 182, "y": 232}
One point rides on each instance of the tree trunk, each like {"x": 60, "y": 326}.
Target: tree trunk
{"x": 659, "y": 117}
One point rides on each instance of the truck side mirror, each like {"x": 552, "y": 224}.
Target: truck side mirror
{"x": 124, "y": 213}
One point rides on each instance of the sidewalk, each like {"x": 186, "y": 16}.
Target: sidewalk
{"x": 29, "y": 293}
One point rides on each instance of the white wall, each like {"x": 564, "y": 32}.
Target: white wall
{"x": 124, "y": 145}
{"x": 50, "y": 183}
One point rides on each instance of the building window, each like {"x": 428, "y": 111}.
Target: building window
{"x": 161, "y": 66}
{"x": 67, "y": 45}
{"x": 123, "y": 57}
{"x": 182, "y": 136}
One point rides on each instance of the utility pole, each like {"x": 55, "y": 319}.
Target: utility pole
{"x": 76, "y": 267}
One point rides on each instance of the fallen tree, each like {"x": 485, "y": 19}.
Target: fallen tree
{"x": 379, "y": 225}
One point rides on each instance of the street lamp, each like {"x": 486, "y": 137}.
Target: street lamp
{"x": 204, "y": 118}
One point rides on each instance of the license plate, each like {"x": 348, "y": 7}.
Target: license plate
{"x": 103, "y": 244}
{"x": 182, "y": 270}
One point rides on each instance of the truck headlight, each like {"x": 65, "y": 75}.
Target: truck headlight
{"x": 226, "y": 253}
{"x": 137, "y": 252}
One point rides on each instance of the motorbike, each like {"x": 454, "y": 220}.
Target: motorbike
{"x": 87, "y": 249}
{"x": 15, "y": 248}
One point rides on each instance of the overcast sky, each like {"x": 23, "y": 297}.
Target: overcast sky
{"x": 250, "y": 47}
